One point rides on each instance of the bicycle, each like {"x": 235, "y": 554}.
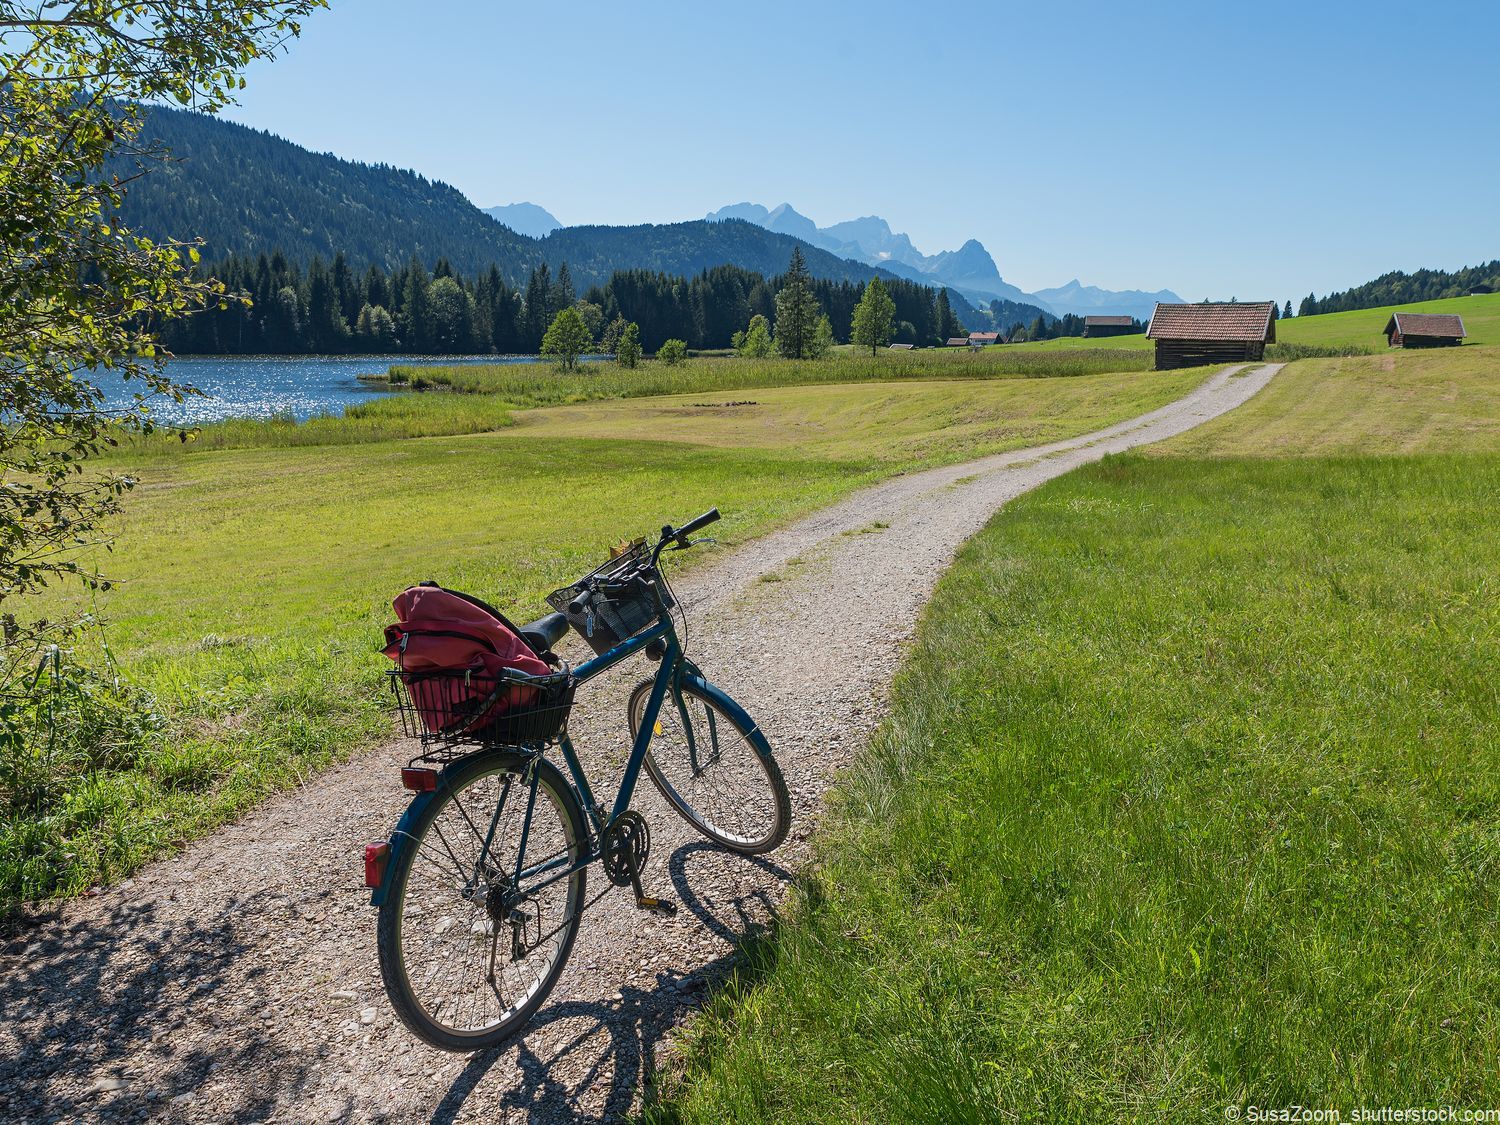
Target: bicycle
{"x": 482, "y": 885}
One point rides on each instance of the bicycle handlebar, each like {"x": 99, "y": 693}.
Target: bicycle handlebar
{"x": 693, "y": 525}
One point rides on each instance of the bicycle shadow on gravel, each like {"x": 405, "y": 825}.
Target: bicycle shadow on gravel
{"x": 614, "y": 1054}
{"x": 89, "y": 1034}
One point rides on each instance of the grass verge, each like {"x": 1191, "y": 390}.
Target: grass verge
{"x": 1188, "y": 799}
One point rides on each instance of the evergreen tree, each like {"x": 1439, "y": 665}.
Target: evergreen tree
{"x": 562, "y": 294}
{"x": 1286, "y": 313}
{"x": 538, "y": 296}
{"x": 796, "y": 309}
{"x": 414, "y": 307}
{"x": 324, "y": 328}
{"x": 875, "y": 316}
{"x": 1309, "y": 306}
{"x": 947, "y": 322}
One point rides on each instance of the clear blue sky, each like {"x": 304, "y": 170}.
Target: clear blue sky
{"x": 1251, "y": 150}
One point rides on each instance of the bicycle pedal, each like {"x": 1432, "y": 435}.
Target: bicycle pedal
{"x": 663, "y": 906}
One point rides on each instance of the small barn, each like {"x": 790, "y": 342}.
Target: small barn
{"x": 1108, "y": 325}
{"x": 983, "y": 339}
{"x": 958, "y": 342}
{"x": 1424, "y": 330}
{"x": 1211, "y": 332}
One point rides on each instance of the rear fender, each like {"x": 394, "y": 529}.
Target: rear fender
{"x": 401, "y": 838}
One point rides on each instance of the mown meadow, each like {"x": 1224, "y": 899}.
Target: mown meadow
{"x": 256, "y": 563}
{"x": 1187, "y": 801}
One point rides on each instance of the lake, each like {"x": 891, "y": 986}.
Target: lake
{"x": 301, "y": 386}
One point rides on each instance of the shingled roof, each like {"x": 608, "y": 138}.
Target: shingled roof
{"x": 1250, "y": 321}
{"x": 1444, "y": 325}
{"x": 1106, "y": 322}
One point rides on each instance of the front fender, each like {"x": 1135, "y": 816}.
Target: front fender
{"x": 728, "y": 706}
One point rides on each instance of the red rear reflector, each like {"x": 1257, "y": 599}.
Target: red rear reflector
{"x": 375, "y": 859}
{"x": 419, "y": 780}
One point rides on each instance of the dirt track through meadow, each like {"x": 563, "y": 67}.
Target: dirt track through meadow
{"x": 237, "y": 981}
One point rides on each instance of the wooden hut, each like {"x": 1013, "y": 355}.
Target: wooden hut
{"x": 1108, "y": 325}
{"x": 1424, "y": 330}
{"x": 1190, "y": 335}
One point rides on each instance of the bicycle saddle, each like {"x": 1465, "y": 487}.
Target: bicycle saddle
{"x": 545, "y": 632}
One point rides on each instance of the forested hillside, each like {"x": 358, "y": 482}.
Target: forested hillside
{"x": 1397, "y": 288}
{"x": 247, "y": 192}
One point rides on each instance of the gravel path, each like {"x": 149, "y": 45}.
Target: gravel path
{"x": 237, "y": 981}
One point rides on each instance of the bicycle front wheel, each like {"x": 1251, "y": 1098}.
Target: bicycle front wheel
{"x": 718, "y": 775}
{"x": 468, "y": 950}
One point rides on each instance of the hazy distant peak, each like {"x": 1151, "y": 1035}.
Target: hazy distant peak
{"x": 525, "y": 218}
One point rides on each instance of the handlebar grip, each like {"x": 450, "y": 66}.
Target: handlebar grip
{"x": 580, "y": 602}
{"x": 693, "y": 525}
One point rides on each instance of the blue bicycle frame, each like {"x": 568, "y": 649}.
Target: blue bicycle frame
{"x": 674, "y": 670}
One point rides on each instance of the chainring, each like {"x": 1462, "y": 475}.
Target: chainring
{"x": 627, "y": 843}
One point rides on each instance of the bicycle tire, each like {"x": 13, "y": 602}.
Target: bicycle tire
{"x": 709, "y": 802}
{"x": 406, "y": 900}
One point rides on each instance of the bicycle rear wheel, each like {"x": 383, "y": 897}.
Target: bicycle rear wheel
{"x": 719, "y": 776}
{"x": 467, "y": 955}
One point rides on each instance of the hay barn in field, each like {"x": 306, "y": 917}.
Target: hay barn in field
{"x": 1424, "y": 330}
{"x": 1108, "y": 325}
{"x": 1190, "y": 335}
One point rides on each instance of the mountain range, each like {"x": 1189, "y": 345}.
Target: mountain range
{"x": 969, "y": 269}
{"x": 245, "y": 191}
{"x": 1083, "y": 300}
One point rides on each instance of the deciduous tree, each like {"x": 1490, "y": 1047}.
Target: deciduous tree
{"x": 628, "y": 350}
{"x": 756, "y": 343}
{"x": 81, "y": 299}
{"x": 567, "y": 338}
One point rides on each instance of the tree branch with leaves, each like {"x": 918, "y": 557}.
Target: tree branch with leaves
{"x": 81, "y": 299}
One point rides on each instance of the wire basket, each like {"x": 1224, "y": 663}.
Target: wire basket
{"x": 629, "y": 596}
{"x": 456, "y": 711}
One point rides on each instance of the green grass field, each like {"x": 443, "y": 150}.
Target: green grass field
{"x": 254, "y": 582}
{"x": 1362, "y": 329}
{"x": 538, "y": 385}
{"x": 1187, "y": 799}
{"x": 1366, "y": 326}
